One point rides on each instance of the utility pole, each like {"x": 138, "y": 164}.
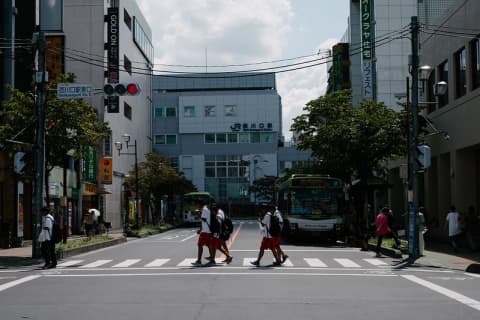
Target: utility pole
{"x": 39, "y": 147}
{"x": 412, "y": 223}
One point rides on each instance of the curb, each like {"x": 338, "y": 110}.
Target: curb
{"x": 62, "y": 254}
{"x": 386, "y": 251}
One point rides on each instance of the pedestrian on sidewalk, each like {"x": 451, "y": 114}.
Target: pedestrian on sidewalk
{"x": 264, "y": 220}
{"x": 45, "y": 238}
{"x": 421, "y": 230}
{"x": 382, "y": 228}
{"x": 453, "y": 225}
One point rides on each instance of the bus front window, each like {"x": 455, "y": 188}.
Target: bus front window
{"x": 318, "y": 202}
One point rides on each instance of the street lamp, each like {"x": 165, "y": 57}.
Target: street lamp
{"x": 119, "y": 146}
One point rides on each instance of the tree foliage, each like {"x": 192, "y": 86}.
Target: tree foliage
{"x": 70, "y": 124}
{"x": 350, "y": 141}
{"x": 264, "y": 188}
{"x": 155, "y": 179}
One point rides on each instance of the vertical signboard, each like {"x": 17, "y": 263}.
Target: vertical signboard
{"x": 367, "y": 41}
{"x": 90, "y": 173}
{"x": 113, "y": 104}
{"x": 106, "y": 171}
{"x": 20, "y": 210}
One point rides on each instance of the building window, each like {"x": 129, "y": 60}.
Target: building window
{"x": 232, "y": 138}
{"x": 171, "y": 112}
{"x": 107, "y": 145}
{"x": 165, "y": 139}
{"x": 443, "y": 76}
{"x": 221, "y": 138}
{"x": 230, "y": 111}
{"x": 244, "y": 137}
{"x": 159, "y": 139}
{"x": 266, "y": 137}
{"x": 159, "y": 112}
{"x": 127, "y": 64}
{"x": 210, "y": 138}
{"x": 189, "y": 111}
{"x": 460, "y": 73}
{"x": 127, "y": 19}
{"x": 127, "y": 111}
{"x": 209, "y": 111}
{"x": 475, "y": 53}
{"x": 254, "y": 137}
{"x": 430, "y": 93}
{"x": 171, "y": 139}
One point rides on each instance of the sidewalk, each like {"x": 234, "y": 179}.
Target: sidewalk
{"x": 441, "y": 255}
{"x": 22, "y": 256}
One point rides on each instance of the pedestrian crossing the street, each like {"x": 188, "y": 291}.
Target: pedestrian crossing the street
{"x": 347, "y": 263}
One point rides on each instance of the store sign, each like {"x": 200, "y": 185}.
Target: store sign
{"x": 90, "y": 169}
{"x": 106, "y": 170}
{"x": 256, "y": 126}
{"x": 113, "y": 71}
{"x": 367, "y": 80}
{"x": 366, "y": 30}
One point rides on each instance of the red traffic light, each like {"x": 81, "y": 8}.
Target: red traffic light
{"x": 121, "y": 89}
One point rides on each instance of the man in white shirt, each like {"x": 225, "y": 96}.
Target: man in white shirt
{"x": 45, "y": 238}
{"x": 267, "y": 241}
{"x": 205, "y": 235}
{"x": 278, "y": 239}
{"x": 453, "y": 227}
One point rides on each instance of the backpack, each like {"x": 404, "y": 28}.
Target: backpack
{"x": 214, "y": 223}
{"x": 275, "y": 227}
{"x": 56, "y": 235}
{"x": 227, "y": 229}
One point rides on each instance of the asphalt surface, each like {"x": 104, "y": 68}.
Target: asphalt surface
{"x": 152, "y": 278}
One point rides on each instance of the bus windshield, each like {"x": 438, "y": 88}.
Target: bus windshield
{"x": 314, "y": 202}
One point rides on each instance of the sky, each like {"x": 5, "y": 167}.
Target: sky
{"x": 224, "y": 32}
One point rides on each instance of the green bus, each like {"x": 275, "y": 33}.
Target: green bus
{"x": 312, "y": 204}
{"x": 188, "y": 205}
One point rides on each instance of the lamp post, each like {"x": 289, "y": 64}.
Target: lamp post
{"x": 119, "y": 146}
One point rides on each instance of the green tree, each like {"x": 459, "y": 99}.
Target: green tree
{"x": 351, "y": 141}
{"x": 70, "y": 125}
{"x": 155, "y": 180}
{"x": 264, "y": 188}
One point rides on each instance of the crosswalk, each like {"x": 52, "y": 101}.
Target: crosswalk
{"x": 310, "y": 262}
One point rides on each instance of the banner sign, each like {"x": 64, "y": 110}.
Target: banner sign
{"x": 366, "y": 30}
{"x": 106, "y": 170}
{"x": 90, "y": 168}
{"x": 113, "y": 56}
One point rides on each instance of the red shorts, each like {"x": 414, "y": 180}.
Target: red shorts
{"x": 267, "y": 243}
{"x": 216, "y": 243}
{"x": 276, "y": 241}
{"x": 204, "y": 239}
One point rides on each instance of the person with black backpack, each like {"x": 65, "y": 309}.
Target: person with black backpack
{"x": 220, "y": 238}
{"x": 205, "y": 233}
{"x": 277, "y": 224}
{"x": 47, "y": 240}
{"x": 265, "y": 218}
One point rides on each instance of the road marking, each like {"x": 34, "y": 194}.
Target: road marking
{"x": 126, "y": 263}
{"x": 376, "y": 262}
{"x": 246, "y": 262}
{"x": 186, "y": 262}
{"x": 302, "y": 250}
{"x": 157, "y": 263}
{"x": 287, "y": 263}
{"x": 444, "y": 291}
{"x": 14, "y": 283}
{"x": 315, "y": 262}
{"x": 250, "y": 273}
{"x": 69, "y": 263}
{"x": 347, "y": 263}
{"x": 95, "y": 264}
{"x": 189, "y": 237}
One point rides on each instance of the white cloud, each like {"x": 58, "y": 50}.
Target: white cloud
{"x": 234, "y": 31}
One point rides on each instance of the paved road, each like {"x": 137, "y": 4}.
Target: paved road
{"x": 152, "y": 278}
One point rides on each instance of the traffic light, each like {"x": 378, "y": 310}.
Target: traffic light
{"x": 423, "y": 156}
{"x": 121, "y": 89}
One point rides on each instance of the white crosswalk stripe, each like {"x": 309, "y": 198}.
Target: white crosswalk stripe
{"x": 69, "y": 263}
{"x": 126, "y": 263}
{"x": 95, "y": 264}
{"x": 347, "y": 263}
{"x": 245, "y": 262}
{"x": 315, "y": 262}
{"x": 157, "y": 263}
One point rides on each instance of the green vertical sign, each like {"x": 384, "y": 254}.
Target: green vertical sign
{"x": 90, "y": 168}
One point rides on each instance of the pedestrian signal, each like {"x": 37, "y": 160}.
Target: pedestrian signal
{"x": 121, "y": 89}
{"x": 423, "y": 156}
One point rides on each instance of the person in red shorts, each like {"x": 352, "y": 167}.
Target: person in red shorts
{"x": 205, "y": 235}
{"x": 267, "y": 240}
{"x": 217, "y": 242}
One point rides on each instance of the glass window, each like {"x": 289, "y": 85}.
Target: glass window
{"x": 475, "y": 53}
{"x": 460, "y": 73}
{"x": 210, "y": 138}
{"x": 107, "y": 145}
{"x": 159, "y": 112}
{"x": 127, "y": 110}
{"x": 171, "y": 139}
{"x": 266, "y": 137}
{"x": 443, "y": 76}
{"x": 209, "y": 111}
{"x": 159, "y": 139}
{"x": 127, "y": 19}
{"x": 189, "y": 111}
{"x": 127, "y": 64}
{"x": 430, "y": 94}
{"x": 171, "y": 112}
{"x": 209, "y": 157}
{"x": 255, "y": 137}
{"x": 210, "y": 172}
{"x": 233, "y": 172}
{"x": 230, "y": 111}
{"x": 244, "y": 137}
{"x": 221, "y": 172}
{"x": 221, "y": 138}
{"x": 232, "y": 138}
